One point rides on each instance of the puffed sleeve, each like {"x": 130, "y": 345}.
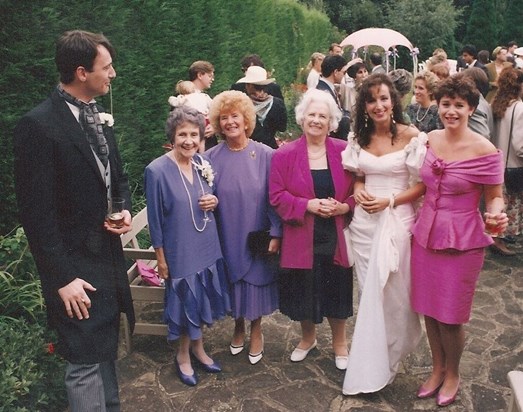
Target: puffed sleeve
{"x": 350, "y": 156}
{"x": 416, "y": 151}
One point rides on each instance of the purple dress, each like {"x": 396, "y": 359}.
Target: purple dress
{"x": 449, "y": 238}
{"x": 196, "y": 292}
{"x": 242, "y": 188}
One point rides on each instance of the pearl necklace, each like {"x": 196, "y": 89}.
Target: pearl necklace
{"x": 240, "y": 148}
{"x": 189, "y": 196}
{"x": 316, "y": 155}
{"x": 425, "y": 115}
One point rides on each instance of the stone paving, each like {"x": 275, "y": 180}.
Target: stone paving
{"x": 494, "y": 346}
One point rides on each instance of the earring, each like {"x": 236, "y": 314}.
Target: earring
{"x": 392, "y": 118}
{"x": 366, "y": 116}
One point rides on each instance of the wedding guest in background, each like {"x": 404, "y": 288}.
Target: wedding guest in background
{"x": 441, "y": 70}
{"x": 242, "y": 173}
{"x": 201, "y": 74}
{"x": 67, "y": 170}
{"x": 335, "y": 50}
{"x": 357, "y": 72}
{"x": 449, "y": 234}
{"x": 315, "y": 70}
{"x": 484, "y": 57}
{"x": 469, "y": 54}
{"x": 189, "y": 96}
{"x": 482, "y": 120}
{"x": 508, "y": 119}
{"x": 273, "y": 88}
{"x": 312, "y": 194}
{"x": 180, "y": 202}
{"x": 424, "y": 112}
{"x": 511, "y": 50}
{"x": 271, "y": 113}
{"x": 402, "y": 81}
{"x": 333, "y": 71}
{"x": 385, "y": 154}
{"x": 494, "y": 69}
{"x": 376, "y": 62}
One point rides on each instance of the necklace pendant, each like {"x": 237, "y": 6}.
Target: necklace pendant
{"x": 252, "y": 154}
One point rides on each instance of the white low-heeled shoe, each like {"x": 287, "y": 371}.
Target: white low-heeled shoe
{"x": 298, "y": 354}
{"x": 341, "y": 362}
{"x": 254, "y": 359}
{"x": 235, "y": 349}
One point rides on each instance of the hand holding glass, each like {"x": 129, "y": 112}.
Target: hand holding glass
{"x": 205, "y": 196}
{"x": 493, "y": 227}
{"x": 115, "y": 215}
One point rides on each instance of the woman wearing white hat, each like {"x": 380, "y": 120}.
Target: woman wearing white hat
{"x": 271, "y": 114}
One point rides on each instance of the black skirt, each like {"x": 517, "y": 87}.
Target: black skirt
{"x": 312, "y": 294}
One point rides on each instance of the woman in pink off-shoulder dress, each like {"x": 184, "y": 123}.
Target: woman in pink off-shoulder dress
{"x": 449, "y": 234}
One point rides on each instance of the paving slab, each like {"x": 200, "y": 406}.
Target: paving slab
{"x": 494, "y": 346}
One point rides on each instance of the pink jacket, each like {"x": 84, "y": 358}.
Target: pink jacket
{"x": 291, "y": 187}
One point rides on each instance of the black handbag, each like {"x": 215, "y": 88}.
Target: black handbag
{"x": 258, "y": 242}
{"x": 513, "y": 175}
{"x": 514, "y": 179}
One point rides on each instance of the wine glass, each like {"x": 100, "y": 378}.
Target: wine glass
{"x": 203, "y": 193}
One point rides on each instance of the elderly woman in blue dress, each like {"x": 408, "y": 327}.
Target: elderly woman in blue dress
{"x": 180, "y": 202}
{"x": 242, "y": 173}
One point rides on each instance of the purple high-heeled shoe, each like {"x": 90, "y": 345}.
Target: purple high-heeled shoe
{"x": 189, "y": 380}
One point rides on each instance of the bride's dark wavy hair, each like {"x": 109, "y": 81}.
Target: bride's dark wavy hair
{"x": 363, "y": 133}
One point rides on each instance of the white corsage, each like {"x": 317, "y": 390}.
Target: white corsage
{"x": 106, "y": 118}
{"x": 205, "y": 169}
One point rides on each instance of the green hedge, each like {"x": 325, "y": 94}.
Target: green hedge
{"x": 156, "y": 41}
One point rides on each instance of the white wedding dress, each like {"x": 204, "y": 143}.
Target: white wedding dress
{"x": 386, "y": 328}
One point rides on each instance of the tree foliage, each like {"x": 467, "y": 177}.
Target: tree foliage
{"x": 483, "y": 25}
{"x": 512, "y": 27}
{"x": 435, "y": 29}
{"x": 353, "y": 15}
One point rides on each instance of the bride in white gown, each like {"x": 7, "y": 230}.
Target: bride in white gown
{"x": 385, "y": 155}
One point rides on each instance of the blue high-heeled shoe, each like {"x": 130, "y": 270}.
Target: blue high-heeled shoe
{"x": 214, "y": 367}
{"x": 189, "y": 380}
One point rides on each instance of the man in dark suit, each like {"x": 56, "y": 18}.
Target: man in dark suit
{"x": 67, "y": 170}
{"x": 333, "y": 70}
{"x": 469, "y": 54}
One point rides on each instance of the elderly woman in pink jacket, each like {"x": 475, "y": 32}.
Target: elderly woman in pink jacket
{"x": 312, "y": 194}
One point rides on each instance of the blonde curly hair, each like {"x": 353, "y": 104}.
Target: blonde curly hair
{"x": 231, "y": 101}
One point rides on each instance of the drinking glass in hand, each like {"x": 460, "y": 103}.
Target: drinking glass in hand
{"x": 492, "y": 227}
{"x": 115, "y": 216}
{"x": 203, "y": 196}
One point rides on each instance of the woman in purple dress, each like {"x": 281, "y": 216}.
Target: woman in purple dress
{"x": 242, "y": 172}
{"x": 449, "y": 237}
{"x": 180, "y": 202}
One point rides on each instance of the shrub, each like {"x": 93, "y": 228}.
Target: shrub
{"x": 31, "y": 378}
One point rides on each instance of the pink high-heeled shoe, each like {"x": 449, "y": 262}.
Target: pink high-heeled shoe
{"x": 427, "y": 393}
{"x": 443, "y": 400}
